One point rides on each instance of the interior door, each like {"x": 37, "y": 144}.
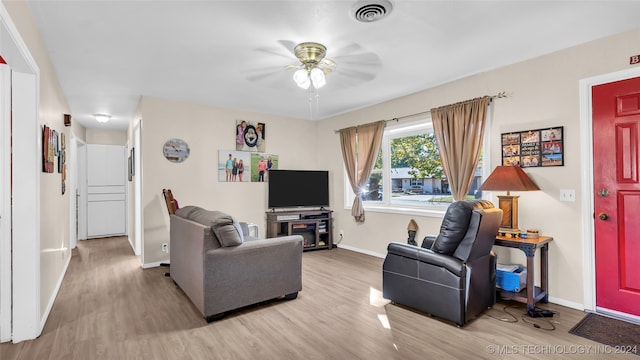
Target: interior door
{"x": 616, "y": 129}
{"x": 106, "y": 190}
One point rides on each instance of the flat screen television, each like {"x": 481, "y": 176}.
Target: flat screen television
{"x": 298, "y": 188}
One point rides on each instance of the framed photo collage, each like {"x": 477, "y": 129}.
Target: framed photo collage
{"x": 534, "y": 148}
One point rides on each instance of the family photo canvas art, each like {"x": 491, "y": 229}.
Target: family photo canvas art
{"x": 243, "y": 166}
{"x": 250, "y": 136}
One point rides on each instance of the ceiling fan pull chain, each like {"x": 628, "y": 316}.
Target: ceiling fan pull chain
{"x": 310, "y": 100}
{"x": 317, "y": 102}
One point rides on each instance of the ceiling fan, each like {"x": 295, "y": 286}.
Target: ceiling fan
{"x": 313, "y": 66}
{"x": 349, "y": 65}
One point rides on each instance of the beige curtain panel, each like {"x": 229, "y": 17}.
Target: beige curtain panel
{"x": 459, "y": 129}
{"x": 360, "y": 146}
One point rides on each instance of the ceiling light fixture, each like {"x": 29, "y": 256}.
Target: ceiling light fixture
{"x": 310, "y": 55}
{"x": 102, "y": 118}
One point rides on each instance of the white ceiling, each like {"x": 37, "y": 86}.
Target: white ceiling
{"x": 233, "y": 53}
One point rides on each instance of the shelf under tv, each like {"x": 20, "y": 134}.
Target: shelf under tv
{"x": 313, "y": 225}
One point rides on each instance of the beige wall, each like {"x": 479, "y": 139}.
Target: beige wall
{"x": 195, "y": 181}
{"x": 54, "y": 207}
{"x": 106, "y": 137}
{"x": 542, "y": 92}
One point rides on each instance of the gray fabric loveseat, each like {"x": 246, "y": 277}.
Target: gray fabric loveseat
{"x": 221, "y": 268}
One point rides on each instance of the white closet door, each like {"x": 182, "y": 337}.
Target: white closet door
{"x": 106, "y": 190}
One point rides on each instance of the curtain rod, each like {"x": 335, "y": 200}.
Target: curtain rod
{"x": 500, "y": 95}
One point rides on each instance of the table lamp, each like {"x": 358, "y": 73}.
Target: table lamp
{"x": 509, "y": 178}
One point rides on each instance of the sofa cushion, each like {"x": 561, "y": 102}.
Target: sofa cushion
{"x": 227, "y": 229}
{"x": 455, "y": 225}
{"x": 224, "y": 226}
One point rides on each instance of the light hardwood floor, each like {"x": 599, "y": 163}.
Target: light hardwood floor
{"x": 110, "y": 308}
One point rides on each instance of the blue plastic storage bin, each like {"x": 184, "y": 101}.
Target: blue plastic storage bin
{"x": 512, "y": 280}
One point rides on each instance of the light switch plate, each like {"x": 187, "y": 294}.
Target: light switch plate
{"x": 567, "y": 195}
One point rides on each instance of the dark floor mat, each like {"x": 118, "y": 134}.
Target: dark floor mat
{"x": 616, "y": 333}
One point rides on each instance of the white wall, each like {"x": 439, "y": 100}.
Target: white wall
{"x": 52, "y": 252}
{"x": 195, "y": 181}
{"x": 542, "y": 92}
{"x": 132, "y": 194}
{"x": 106, "y": 137}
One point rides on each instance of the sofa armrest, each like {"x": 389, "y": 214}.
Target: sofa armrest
{"x": 452, "y": 264}
{"x": 254, "y": 271}
{"x": 265, "y": 246}
{"x": 188, "y": 242}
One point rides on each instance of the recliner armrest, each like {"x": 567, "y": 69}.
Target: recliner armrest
{"x": 428, "y": 241}
{"x": 452, "y": 264}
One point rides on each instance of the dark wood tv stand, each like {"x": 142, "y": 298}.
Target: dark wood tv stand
{"x": 314, "y": 226}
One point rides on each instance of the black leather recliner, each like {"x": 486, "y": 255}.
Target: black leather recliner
{"x": 453, "y": 275}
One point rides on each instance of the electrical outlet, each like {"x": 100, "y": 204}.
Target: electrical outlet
{"x": 165, "y": 247}
{"x": 567, "y": 195}
{"x": 341, "y": 232}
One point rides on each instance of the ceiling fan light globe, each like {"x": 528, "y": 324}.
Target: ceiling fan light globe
{"x": 305, "y": 85}
{"x": 317, "y": 78}
{"x": 301, "y": 77}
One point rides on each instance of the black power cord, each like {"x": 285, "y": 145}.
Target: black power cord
{"x": 542, "y": 316}
{"x": 547, "y": 324}
{"x": 510, "y": 318}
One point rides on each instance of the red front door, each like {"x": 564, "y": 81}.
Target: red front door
{"x": 616, "y": 156}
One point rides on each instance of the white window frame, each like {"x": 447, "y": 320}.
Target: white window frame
{"x": 415, "y": 127}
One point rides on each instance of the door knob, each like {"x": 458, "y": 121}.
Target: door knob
{"x": 603, "y": 192}
{"x": 603, "y": 216}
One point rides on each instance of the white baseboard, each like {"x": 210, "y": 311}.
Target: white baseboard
{"x": 569, "y": 304}
{"x": 45, "y": 316}
{"x": 130, "y": 241}
{"x": 362, "y": 251}
{"x": 154, "y": 264}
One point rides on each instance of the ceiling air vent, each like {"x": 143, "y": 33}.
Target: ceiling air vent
{"x": 371, "y": 10}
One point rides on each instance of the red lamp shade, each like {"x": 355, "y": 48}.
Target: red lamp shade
{"x": 508, "y": 178}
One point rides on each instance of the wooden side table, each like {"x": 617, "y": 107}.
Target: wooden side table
{"x": 531, "y": 294}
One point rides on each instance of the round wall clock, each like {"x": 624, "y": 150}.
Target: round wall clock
{"x": 176, "y": 150}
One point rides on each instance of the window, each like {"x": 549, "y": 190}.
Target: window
{"x": 408, "y": 174}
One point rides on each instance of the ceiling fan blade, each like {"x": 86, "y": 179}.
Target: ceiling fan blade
{"x": 328, "y": 62}
{"x": 260, "y": 77}
{"x": 262, "y": 73}
{"x": 273, "y": 51}
{"x": 288, "y": 45}
{"x": 362, "y": 59}
{"x": 353, "y": 56}
{"x": 356, "y": 74}
{"x": 284, "y": 49}
{"x": 346, "y": 50}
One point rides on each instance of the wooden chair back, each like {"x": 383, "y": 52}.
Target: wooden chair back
{"x": 171, "y": 202}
